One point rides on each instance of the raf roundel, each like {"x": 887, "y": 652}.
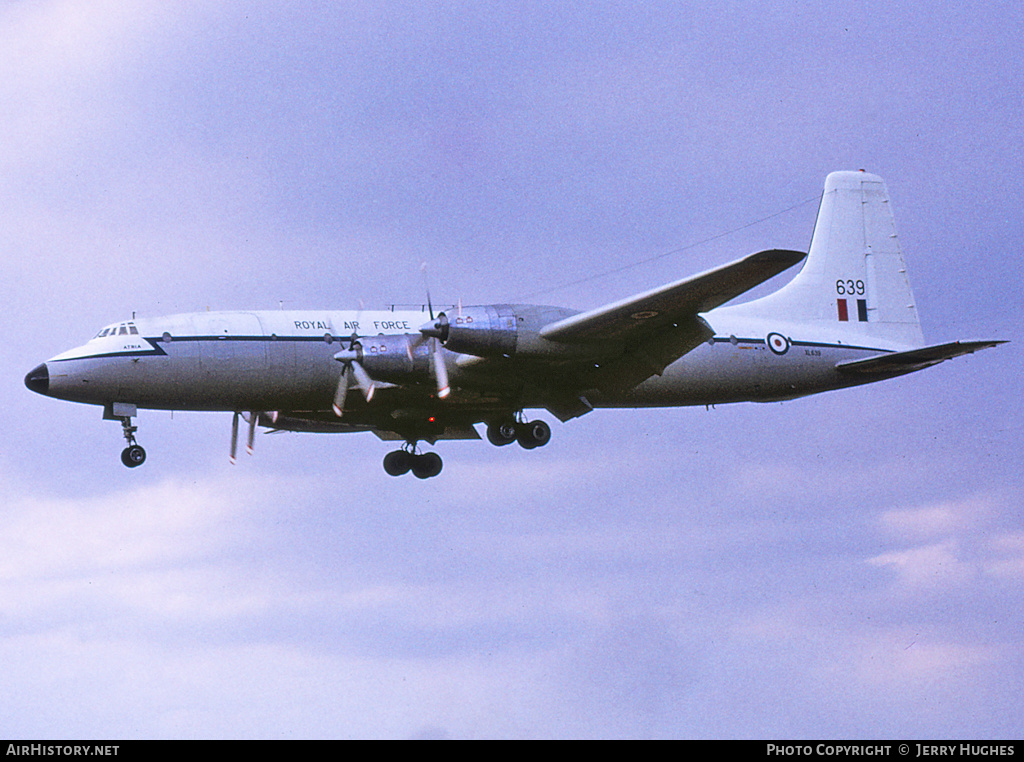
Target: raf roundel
{"x": 778, "y": 343}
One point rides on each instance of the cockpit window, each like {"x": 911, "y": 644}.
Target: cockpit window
{"x": 124, "y": 329}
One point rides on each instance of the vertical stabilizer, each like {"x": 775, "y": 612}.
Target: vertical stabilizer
{"x": 854, "y": 280}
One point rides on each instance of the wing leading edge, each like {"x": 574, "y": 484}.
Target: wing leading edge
{"x": 673, "y": 304}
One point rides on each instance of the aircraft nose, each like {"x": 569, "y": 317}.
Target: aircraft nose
{"x": 38, "y": 379}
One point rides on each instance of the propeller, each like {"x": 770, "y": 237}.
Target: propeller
{"x": 353, "y": 371}
{"x": 355, "y": 374}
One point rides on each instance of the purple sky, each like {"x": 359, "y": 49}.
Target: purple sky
{"x": 849, "y": 565}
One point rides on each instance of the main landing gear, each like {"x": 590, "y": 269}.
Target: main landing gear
{"x": 529, "y": 434}
{"x": 423, "y": 466}
{"x": 133, "y": 455}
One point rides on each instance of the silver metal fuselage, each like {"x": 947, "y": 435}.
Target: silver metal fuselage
{"x": 284, "y": 361}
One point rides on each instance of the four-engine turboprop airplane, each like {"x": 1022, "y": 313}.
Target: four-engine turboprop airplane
{"x": 848, "y": 317}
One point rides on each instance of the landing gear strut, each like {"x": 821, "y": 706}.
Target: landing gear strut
{"x": 133, "y": 455}
{"x": 423, "y": 466}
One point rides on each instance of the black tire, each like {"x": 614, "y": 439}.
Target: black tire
{"x": 133, "y": 456}
{"x": 397, "y": 463}
{"x": 533, "y": 434}
{"x": 427, "y": 465}
{"x": 501, "y": 433}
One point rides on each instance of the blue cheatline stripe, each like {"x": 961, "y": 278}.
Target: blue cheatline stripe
{"x": 795, "y": 343}
{"x": 157, "y": 349}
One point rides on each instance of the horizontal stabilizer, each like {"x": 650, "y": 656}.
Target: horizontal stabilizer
{"x": 896, "y": 363}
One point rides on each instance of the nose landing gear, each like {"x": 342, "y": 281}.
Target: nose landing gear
{"x": 133, "y": 455}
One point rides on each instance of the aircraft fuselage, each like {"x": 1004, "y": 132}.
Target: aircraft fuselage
{"x": 265, "y": 361}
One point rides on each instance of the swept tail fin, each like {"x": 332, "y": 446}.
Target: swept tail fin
{"x": 854, "y": 280}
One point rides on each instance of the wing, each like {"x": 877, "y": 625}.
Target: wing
{"x": 675, "y": 303}
{"x": 898, "y": 363}
{"x": 652, "y": 330}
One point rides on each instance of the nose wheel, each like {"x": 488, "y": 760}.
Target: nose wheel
{"x": 133, "y": 455}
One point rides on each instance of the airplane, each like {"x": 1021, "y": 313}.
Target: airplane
{"x": 848, "y": 317}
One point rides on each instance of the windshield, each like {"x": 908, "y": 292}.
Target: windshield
{"x": 121, "y": 329}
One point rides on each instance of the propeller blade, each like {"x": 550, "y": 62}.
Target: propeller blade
{"x": 252, "y": 432}
{"x": 363, "y": 380}
{"x": 342, "y": 392}
{"x": 415, "y": 342}
{"x": 426, "y": 285}
{"x": 234, "y": 436}
{"x": 355, "y": 326}
{"x": 440, "y": 370}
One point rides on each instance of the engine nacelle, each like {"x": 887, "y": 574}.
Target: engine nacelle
{"x": 488, "y": 331}
{"x": 401, "y": 357}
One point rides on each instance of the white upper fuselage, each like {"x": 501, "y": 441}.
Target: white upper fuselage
{"x": 284, "y": 360}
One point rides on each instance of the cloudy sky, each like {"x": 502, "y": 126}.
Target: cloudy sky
{"x": 850, "y": 565}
